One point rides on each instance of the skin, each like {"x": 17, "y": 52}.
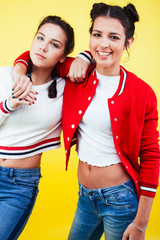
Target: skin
{"x": 47, "y": 50}
{"x": 107, "y": 43}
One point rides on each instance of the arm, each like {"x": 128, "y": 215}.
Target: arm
{"x": 22, "y": 85}
{"x": 149, "y": 171}
{"x": 136, "y": 230}
{"x": 77, "y": 74}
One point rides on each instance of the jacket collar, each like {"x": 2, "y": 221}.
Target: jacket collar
{"x": 122, "y": 82}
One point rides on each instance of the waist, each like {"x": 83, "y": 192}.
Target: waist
{"x": 101, "y": 177}
{"x": 107, "y": 191}
{"x": 23, "y": 163}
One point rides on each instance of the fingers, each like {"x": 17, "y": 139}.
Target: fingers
{"x": 76, "y": 75}
{"x": 21, "y": 85}
{"x": 78, "y": 69}
{"x": 125, "y": 236}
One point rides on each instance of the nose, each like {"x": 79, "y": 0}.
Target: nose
{"x": 104, "y": 42}
{"x": 43, "y": 47}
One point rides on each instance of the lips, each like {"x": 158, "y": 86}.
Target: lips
{"x": 105, "y": 54}
{"x": 40, "y": 56}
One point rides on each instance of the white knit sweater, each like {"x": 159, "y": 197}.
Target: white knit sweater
{"x": 29, "y": 130}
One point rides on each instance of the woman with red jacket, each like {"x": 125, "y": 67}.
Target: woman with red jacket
{"x": 112, "y": 117}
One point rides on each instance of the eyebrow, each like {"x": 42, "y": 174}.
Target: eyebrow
{"x": 94, "y": 30}
{"x": 52, "y": 38}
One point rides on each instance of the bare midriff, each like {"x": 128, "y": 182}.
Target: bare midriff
{"x": 26, "y": 163}
{"x": 93, "y": 177}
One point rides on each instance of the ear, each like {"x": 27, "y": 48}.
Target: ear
{"x": 129, "y": 43}
{"x": 62, "y": 59}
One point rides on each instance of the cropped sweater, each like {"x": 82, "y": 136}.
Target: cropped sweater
{"x": 29, "y": 130}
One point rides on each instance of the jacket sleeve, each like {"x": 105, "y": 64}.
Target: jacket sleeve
{"x": 62, "y": 68}
{"x": 23, "y": 58}
{"x": 149, "y": 152}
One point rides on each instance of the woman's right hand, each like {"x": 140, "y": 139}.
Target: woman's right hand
{"x": 22, "y": 86}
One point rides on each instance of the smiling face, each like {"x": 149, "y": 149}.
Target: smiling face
{"x": 48, "y": 46}
{"x": 107, "y": 43}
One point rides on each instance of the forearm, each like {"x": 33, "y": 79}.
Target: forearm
{"x": 143, "y": 212}
{"x": 20, "y": 69}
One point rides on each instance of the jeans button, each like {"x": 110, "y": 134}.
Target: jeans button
{"x": 90, "y": 193}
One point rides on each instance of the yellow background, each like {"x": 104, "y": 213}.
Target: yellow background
{"x": 56, "y": 203}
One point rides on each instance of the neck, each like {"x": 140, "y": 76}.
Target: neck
{"x": 108, "y": 71}
{"x": 40, "y": 76}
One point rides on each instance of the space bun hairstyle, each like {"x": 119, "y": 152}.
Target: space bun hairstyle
{"x": 127, "y": 16}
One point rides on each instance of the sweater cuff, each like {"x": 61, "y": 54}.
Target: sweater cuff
{"x": 5, "y": 107}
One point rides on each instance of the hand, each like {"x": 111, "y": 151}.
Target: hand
{"x": 132, "y": 233}
{"x": 78, "y": 69}
{"x": 22, "y": 86}
{"x": 15, "y": 102}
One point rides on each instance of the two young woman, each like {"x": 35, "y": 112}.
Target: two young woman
{"x": 113, "y": 119}
{"x": 31, "y": 125}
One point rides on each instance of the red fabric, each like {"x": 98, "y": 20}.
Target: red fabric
{"x": 2, "y": 108}
{"x": 136, "y": 112}
{"x": 62, "y": 68}
{"x": 24, "y": 56}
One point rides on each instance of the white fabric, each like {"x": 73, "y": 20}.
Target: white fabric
{"x": 26, "y": 126}
{"x": 95, "y": 140}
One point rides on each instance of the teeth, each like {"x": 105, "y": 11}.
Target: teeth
{"x": 103, "y": 53}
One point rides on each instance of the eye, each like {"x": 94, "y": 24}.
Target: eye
{"x": 40, "y": 38}
{"x": 54, "y": 45}
{"x": 114, "y": 37}
{"x": 96, "y": 35}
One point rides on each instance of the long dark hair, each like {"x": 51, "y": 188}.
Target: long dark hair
{"x": 69, "y": 46}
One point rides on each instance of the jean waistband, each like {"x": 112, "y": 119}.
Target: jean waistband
{"x": 35, "y": 172}
{"x": 129, "y": 185}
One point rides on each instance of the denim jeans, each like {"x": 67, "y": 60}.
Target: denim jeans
{"x": 109, "y": 210}
{"x": 18, "y": 192}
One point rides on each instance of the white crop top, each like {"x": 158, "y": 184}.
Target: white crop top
{"x": 29, "y": 130}
{"x": 95, "y": 140}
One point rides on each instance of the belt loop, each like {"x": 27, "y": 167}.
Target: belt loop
{"x": 101, "y": 194}
{"x": 81, "y": 190}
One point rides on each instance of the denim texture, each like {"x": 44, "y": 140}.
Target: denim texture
{"x": 18, "y": 192}
{"x": 109, "y": 210}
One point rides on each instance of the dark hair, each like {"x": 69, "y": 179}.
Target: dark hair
{"x": 127, "y": 16}
{"x": 69, "y": 46}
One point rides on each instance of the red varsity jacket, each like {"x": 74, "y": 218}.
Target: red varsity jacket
{"x": 134, "y": 117}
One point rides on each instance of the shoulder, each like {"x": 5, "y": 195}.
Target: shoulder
{"x": 137, "y": 84}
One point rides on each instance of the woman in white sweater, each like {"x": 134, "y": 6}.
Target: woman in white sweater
{"x": 29, "y": 127}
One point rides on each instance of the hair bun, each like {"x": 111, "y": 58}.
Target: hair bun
{"x": 97, "y": 7}
{"x": 131, "y": 13}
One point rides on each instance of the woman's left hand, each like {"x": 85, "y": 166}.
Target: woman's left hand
{"x": 132, "y": 233}
{"x": 78, "y": 69}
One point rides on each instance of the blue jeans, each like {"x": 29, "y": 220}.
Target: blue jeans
{"x": 18, "y": 192}
{"x": 109, "y": 210}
